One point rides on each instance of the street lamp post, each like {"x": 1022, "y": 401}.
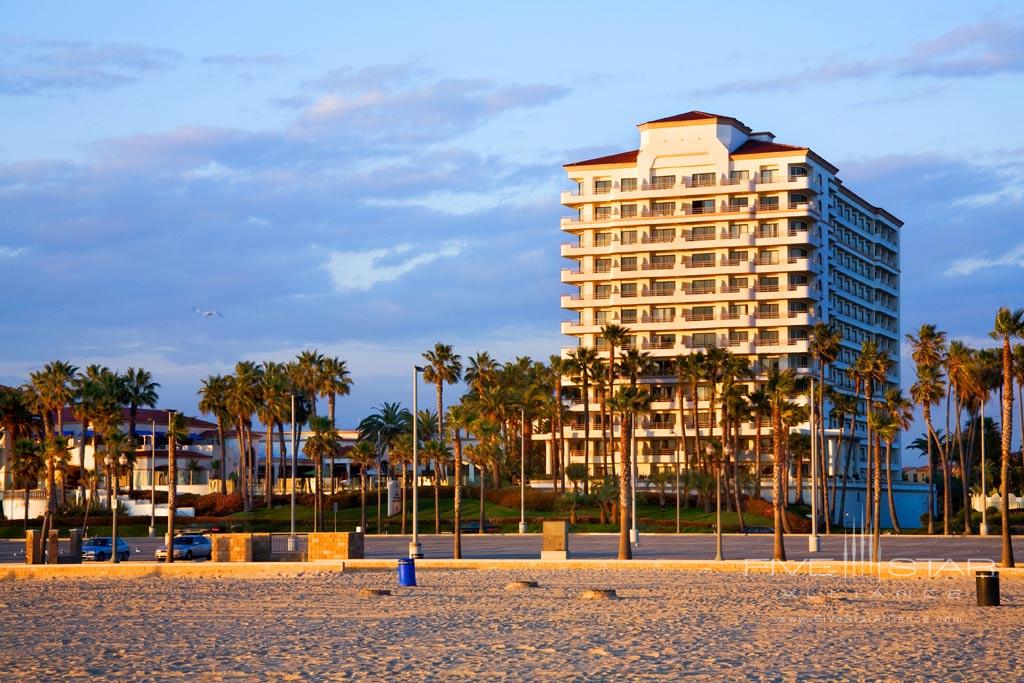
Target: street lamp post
{"x": 415, "y": 549}
{"x": 813, "y": 542}
{"x": 152, "y": 479}
{"x": 114, "y": 556}
{"x": 710, "y": 449}
{"x": 984, "y": 492}
{"x": 291, "y": 536}
{"x": 522, "y": 470}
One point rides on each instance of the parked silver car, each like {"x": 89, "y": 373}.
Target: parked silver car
{"x": 187, "y": 547}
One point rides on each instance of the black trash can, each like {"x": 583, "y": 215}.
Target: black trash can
{"x": 987, "y": 584}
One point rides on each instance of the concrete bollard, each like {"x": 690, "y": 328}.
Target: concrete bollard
{"x": 52, "y": 548}
{"x": 33, "y": 547}
{"x": 76, "y": 546}
{"x": 556, "y": 541}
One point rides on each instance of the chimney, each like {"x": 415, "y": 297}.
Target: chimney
{"x": 762, "y": 136}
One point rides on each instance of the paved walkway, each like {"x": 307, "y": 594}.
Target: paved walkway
{"x": 652, "y": 547}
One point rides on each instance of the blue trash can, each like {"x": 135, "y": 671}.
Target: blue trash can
{"x": 406, "y": 572}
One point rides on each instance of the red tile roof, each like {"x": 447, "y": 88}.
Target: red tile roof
{"x": 762, "y": 147}
{"x": 698, "y": 116}
{"x": 620, "y": 158}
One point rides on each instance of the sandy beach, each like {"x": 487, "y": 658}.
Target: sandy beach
{"x": 665, "y": 625}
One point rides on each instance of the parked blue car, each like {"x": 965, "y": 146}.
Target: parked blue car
{"x": 187, "y": 547}
{"x": 98, "y": 549}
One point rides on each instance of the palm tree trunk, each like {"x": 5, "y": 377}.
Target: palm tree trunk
{"x": 557, "y": 475}
{"x": 243, "y": 469}
{"x": 172, "y": 493}
{"x": 779, "y": 549}
{"x": 268, "y": 469}
{"x": 877, "y": 501}
{"x": 223, "y": 451}
{"x": 457, "y": 502}
{"x": 736, "y": 474}
{"x": 965, "y": 475}
{"x": 757, "y": 452}
{"x": 1007, "y": 441}
{"x": 927, "y": 415}
{"x": 625, "y": 551}
{"x": 318, "y": 495}
{"x": 483, "y": 476}
{"x": 586, "y": 435}
{"x": 888, "y": 487}
{"x": 362, "y": 498}
{"x": 840, "y": 511}
{"x": 404, "y": 484}
{"x": 282, "y": 466}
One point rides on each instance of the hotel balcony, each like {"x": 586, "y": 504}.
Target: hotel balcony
{"x": 685, "y": 187}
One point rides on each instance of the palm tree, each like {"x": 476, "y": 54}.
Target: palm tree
{"x": 87, "y": 480}
{"x": 882, "y": 426}
{"x": 26, "y": 464}
{"x": 559, "y": 367}
{"x": 1008, "y": 324}
{"x": 958, "y": 357}
{"x": 824, "y": 345}
{"x": 444, "y": 366}
{"x": 139, "y": 392}
{"x": 176, "y": 431}
{"x": 901, "y": 412}
{"x": 582, "y": 361}
{"x": 628, "y": 402}
{"x": 274, "y": 407}
{"x": 781, "y": 386}
{"x": 243, "y": 399}
{"x": 49, "y": 390}
{"x": 689, "y": 371}
{"x": 364, "y": 454}
{"x": 614, "y": 335}
{"x": 460, "y": 417}
{"x": 400, "y": 456}
{"x": 323, "y": 443}
{"x": 927, "y": 392}
{"x": 306, "y": 372}
{"x": 760, "y": 408}
{"x": 335, "y": 381}
{"x": 842, "y": 405}
{"x": 1018, "y": 373}
{"x": 213, "y": 400}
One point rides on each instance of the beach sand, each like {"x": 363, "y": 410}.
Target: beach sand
{"x": 464, "y": 624}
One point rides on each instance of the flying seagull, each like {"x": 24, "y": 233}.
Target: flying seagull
{"x": 207, "y": 313}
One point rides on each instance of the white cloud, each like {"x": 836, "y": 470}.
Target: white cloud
{"x": 12, "y": 252}
{"x": 361, "y": 270}
{"x": 966, "y": 266}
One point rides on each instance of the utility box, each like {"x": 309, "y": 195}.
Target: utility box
{"x": 556, "y": 541}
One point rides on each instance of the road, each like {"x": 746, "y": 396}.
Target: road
{"x": 652, "y": 546}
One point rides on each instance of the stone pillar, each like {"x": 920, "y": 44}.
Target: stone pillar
{"x": 556, "y": 541}
{"x": 334, "y": 546}
{"x": 76, "y": 546}
{"x": 33, "y": 547}
{"x": 548, "y": 465}
{"x": 52, "y": 548}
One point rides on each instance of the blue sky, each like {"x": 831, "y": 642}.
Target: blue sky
{"x": 371, "y": 178}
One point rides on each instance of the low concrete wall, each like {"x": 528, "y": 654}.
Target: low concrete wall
{"x": 231, "y": 548}
{"x": 334, "y": 546}
{"x": 151, "y": 570}
{"x": 556, "y": 540}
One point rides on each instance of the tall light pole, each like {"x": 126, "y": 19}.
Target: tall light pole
{"x": 114, "y": 556}
{"x": 984, "y": 493}
{"x": 522, "y": 470}
{"x": 291, "y": 536}
{"x": 152, "y": 478}
{"x": 415, "y": 549}
{"x": 813, "y": 542}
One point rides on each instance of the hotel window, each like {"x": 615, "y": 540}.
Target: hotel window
{"x": 602, "y": 186}
{"x": 628, "y": 263}
{"x": 663, "y": 261}
{"x": 767, "y": 230}
{"x": 663, "y": 234}
{"x": 769, "y": 203}
{"x": 739, "y": 176}
{"x": 734, "y": 231}
{"x": 797, "y": 280}
{"x": 737, "y": 337}
{"x": 768, "y": 311}
{"x": 768, "y": 338}
{"x": 629, "y": 236}
{"x": 602, "y": 265}
{"x": 663, "y": 315}
{"x": 628, "y": 316}
{"x": 739, "y": 282}
{"x": 797, "y": 199}
{"x": 602, "y": 212}
{"x": 628, "y": 184}
{"x": 768, "y": 284}
{"x": 602, "y": 239}
{"x": 702, "y": 287}
{"x": 797, "y": 307}
{"x": 628, "y": 289}
{"x": 663, "y": 341}
{"x": 736, "y": 203}
{"x": 663, "y": 208}
{"x": 603, "y": 292}
{"x": 767, "y": 256}
{"x": 628, "y": 210}
{"x": 797, "y": 172}
{"x": 702, "y": 313}
{"x": 797, "y": 226}
{"x": 767, "y": 175}
{"x": 663, "y": 288}
{"x": 737, "y": 257}
{"x": 702, "y": 232}
{"x": 702, "y": 206}
{"x": 662, "y": 182}
{"x": 702, "y": 179}
{"x": 703, "y": 340}
{"x": 705, "y": 260}
{"x": 738, "y": 309}
{"x": 703, "y": 392}
{"x": 601, "y": 317}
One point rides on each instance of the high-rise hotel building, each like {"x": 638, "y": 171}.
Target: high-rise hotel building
{"x": 712, "y": 234}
